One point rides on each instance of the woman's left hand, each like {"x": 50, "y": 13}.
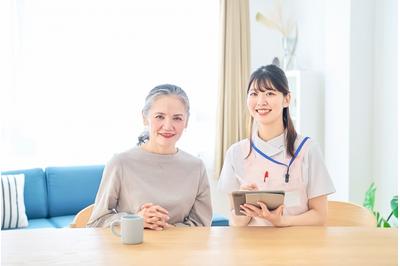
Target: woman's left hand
{"x": 275, "y": 217}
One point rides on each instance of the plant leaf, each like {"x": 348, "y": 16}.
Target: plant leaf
{"x": 369, "y": 199}
{"x": 378, "y": 218}
{"x": 379, "y": 223}
{"x": 395, "y": 206}
{"x": 385, "y": 223}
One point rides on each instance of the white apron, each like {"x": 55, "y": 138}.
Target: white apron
{"x": 254, "y": 171}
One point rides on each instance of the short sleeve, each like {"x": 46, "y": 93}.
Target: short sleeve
{"x": 319, "y": 181}
{"x": 228, "y": 181}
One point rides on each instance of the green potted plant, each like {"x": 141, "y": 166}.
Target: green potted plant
{"x": 369, "y": 203}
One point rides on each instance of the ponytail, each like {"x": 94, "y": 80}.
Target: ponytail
{"x": 291, "y": 133}
{"x": 143, "y": 137}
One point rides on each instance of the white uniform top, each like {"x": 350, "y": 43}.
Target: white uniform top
{"x": 309, "y": 177}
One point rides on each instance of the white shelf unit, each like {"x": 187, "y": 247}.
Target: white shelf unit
{"x": 307, "y": 104}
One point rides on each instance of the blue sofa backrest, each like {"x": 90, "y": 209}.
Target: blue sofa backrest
{"x": 35, "y": 192}
{"x": 70, "y": 189}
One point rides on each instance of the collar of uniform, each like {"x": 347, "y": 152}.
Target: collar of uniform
{"x": 271, "y": 147}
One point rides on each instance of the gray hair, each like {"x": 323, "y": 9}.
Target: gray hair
{"x": 154, "y": 94}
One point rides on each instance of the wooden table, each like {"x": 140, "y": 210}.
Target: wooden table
{"x": 204, "y": 246}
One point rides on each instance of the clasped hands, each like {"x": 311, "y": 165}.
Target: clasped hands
{"x": 275, "y": 217}
{"x": 155, "y": 217}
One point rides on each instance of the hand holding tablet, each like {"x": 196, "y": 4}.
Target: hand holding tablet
{"x": 273, "y": 199}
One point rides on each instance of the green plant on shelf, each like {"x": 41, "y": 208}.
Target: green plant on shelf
{"x": 369, "y": 203}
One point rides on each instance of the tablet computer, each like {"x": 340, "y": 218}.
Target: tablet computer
{"x": 273, "y": 199}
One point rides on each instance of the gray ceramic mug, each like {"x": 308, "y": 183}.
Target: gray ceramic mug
{"x": 131, "y": 229}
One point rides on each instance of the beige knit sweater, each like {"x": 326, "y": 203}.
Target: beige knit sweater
{"x": 176, "y": 182}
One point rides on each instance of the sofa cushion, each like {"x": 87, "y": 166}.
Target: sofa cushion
{"x": 62, "y": 221}
{"x": 12, "y": 202}
{"x": 71, "y": 189}
{"x": 40, "y": 223}
{"x": 35, "y": 192}
{"x": 219, "y": 220}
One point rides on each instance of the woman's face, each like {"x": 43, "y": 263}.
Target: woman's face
{"x": 266, "y": 107}
{"x": 166, "y": 119}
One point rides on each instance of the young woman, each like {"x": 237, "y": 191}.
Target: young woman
{"x": 275, "y": 157}
{"x": 156, "y": 180}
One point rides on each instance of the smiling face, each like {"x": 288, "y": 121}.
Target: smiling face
{"x": 266, "y": 105}
{"x": 166, "y": 119}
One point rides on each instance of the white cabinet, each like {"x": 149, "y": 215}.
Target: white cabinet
{"x": 307, "y": 104}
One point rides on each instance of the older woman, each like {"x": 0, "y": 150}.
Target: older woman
{"x": 156, "y": 180}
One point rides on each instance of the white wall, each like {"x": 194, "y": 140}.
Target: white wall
{"x": 337, "y": 39}
{"x": 385, "y": 156}
{"x": 398, "y": 100}
{"x": 311, "y": 28}
{"x": 361, "y": 92}
{"x": 354, "y": 45}
{"x": 265, "y": 43}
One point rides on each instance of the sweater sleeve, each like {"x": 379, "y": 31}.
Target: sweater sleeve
{"x": 201, "y": 212}
{"x": 105, "y": 206}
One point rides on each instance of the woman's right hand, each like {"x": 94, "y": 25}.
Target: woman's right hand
{"x": 249, "y": 187}
{"x": 155, "y": 217}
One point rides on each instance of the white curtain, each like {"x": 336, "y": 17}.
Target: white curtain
{"x": 233, "y": 118}
{"x": 84, "y": 67}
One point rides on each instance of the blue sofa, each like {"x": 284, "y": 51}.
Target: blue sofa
{"x": 53, "y": 197}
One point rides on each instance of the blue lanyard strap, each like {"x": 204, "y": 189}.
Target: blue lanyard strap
{"x": 277, "y": 162}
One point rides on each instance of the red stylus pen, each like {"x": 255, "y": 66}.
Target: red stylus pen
{"x": 265, "y": 175}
